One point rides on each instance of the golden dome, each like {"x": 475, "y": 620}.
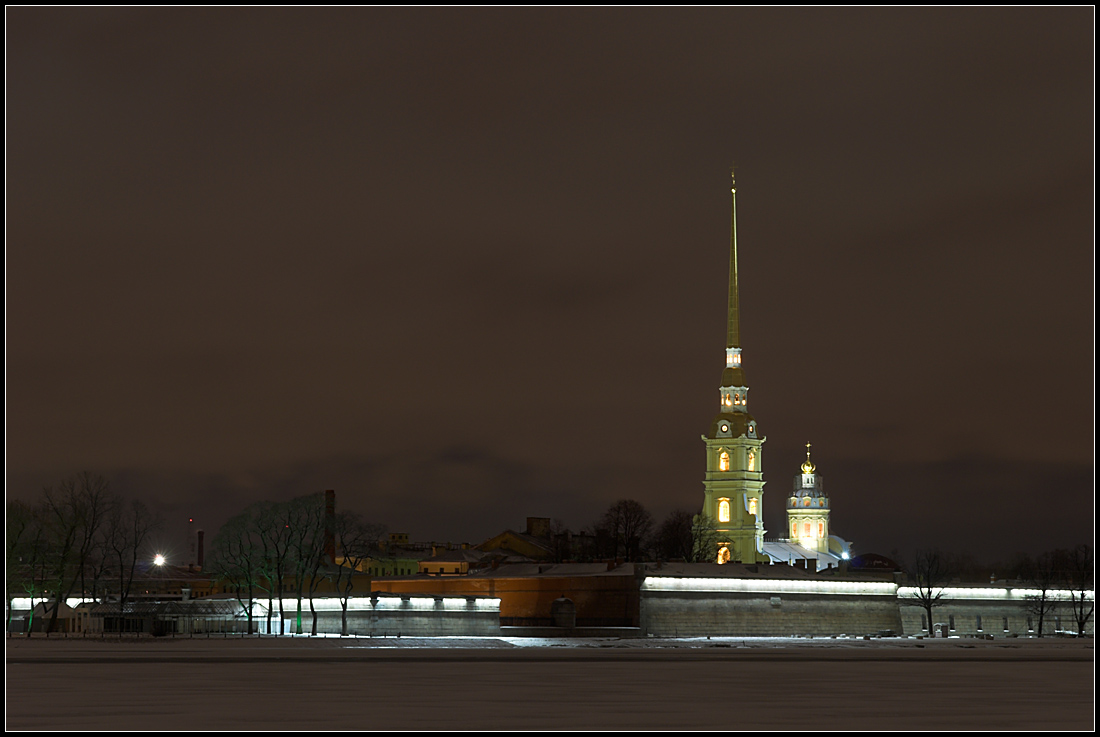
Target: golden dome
{"x": 808, "y": 465}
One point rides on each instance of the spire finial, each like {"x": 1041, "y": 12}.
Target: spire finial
{"x": 808, "y": 466}
{"x": 733, "y": 325}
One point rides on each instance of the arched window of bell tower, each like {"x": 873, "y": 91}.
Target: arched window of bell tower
{"x": 723, "y": 555}
{"x": 723, "y": 461}
{"x": 723, "y": 510}
{"x": 752, "y": 459}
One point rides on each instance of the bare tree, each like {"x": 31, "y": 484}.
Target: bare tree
{"x": 356, "y": 542}
{"x": 704, "y": 539}
{"x": 305, "y": 520}
{"x": 272, "y": 520}
{"x": 128, "y": 531}
{"x": 597, "y": 542}
{"x": 928, "y": 570}
{"x": 1079, "y": 579}
{"x": 62, "y": 518}
{"x": 19, "y": 522}
{"x": 27, "y": 556}
{"x": 1043, "y": 574}
{"x": 561, "y": 542}
{"x": 674, "y": 536}
{"x": 237, "y": 560}
{"x": 73, "y": 514}
{"x": 628, "y": 524}
{"x": 38, "y": 563}
{"x": 97, "y": 503}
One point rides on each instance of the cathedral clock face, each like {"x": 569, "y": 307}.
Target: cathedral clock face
{"x": 725, "y": 427}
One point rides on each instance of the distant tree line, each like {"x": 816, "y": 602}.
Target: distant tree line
{"x": 272, "y": 549}
{"x": 628, "y": 531}
{"x": 77, "y": 539}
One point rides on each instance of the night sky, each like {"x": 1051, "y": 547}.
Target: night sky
{"x": 466, "y": 266}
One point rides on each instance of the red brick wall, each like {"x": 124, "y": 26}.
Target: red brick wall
{"x": 601, "y": 601}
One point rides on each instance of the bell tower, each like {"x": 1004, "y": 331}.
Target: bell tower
{"x": 733, "y": 488}
{"x": 808, "y": 509}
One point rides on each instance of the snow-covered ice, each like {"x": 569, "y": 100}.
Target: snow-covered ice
{"x": 532, "y": 683}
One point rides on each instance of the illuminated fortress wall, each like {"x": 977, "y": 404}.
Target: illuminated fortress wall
{"x": 991, "y": 611}
{"x": 674, "y": 606}
{"x": 408, "y": 616}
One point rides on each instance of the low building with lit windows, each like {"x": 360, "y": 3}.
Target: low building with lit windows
{"x": 451, "y": 562}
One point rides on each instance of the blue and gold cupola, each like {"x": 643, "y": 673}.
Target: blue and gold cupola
{"x": 808, "y": 508}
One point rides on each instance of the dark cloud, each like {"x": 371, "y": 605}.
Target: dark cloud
{"x": 244, "y": 241}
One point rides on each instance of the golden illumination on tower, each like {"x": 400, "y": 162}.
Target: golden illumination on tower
{"x": 733, "y": 479}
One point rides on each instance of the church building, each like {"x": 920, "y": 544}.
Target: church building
{"x": 733, "y": 487}
{"x": 808, "y": 524}
{"x": 734, "y": 484}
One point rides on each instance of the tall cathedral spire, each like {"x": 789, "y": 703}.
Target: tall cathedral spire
{"x": 733, "y": 325}
{"x": 733, "y": 315}
{"x": 733, "y": 487}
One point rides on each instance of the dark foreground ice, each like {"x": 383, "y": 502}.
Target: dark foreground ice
{"x": 525, "y": 684}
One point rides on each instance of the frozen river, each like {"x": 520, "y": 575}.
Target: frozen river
{"x": 512, "y": 683}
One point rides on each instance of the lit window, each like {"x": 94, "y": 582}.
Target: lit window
{"x": 729, "y": 359}
{"x": 723, "y": 510}
{"x": 726, "y": 400}
{"x": 723, "y": 555}
{"x": 752, "y": 460}
{"x": 794, "y": 529}
{"x": 806, "y": 502}
{"x": 807, "y": 529}
{"x": 821, "y": 529}
{"x": 737, "y": 399}
{"x": 724, "y": 461}
{"x": 752, "y": 506}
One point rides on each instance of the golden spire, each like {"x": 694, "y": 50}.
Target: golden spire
{"x": 808, "y": 466}
{"x": 733, "y": 325}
